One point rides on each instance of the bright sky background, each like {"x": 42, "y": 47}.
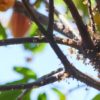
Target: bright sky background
{"x": 42, "y": 64}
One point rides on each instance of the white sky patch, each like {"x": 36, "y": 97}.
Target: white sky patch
{"x": 5, "y": 16}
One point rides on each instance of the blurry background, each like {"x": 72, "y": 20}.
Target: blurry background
{"x": 15, "y": 60}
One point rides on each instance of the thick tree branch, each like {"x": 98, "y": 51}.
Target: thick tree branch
{"x": 86, "y": 39}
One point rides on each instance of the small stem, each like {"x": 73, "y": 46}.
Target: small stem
{"x": 91, "y": 16}
{"x": 37, "y": 39}
{"x": 24, "y": 92}
{"x": 44, "y": 80}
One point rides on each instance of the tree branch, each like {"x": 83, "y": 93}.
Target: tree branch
{"x": 98, "y": 4}
{"x": 91, "y": 17}
{"x": 44, "y": 20}
{"x": 62, "y": 25}
{"x": 68, "y": 67}
{"x": 24, "y": 92}
{"x": 51, "y": 17}
{"x": 86, "y": 39}
{"x": 88, "y": 46}
{"x": 46, "y": 79}
{"x": 37, "y": 39}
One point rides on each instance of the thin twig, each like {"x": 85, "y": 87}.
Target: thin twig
{"x": 20, "y": 97}
{"x": 24, "y": 92}
{"x": 62, "y": 25}
{"x": 37, "y": 39}
{"x": 46, "y": 79}
{"x": 75, "y": 88}
{"x": 35, "y": 84}
{"x": 91, "y": 16}
{"x": 98, "y": 4}
{"x": 51, "y": 17}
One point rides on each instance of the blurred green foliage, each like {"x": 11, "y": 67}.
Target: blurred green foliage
{"x": 2, "y": 32}
{"x": 97, "y": 97}
{"x": 42, "y": 96}
{"x": 13, "y": 94}
{"x": 59, "y": 93}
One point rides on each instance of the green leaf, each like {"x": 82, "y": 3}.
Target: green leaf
{"x": 59, "y": 2}
{"x": 21, "y": 81}
{"x": 80, "y": 5}
{"x": 27, "y": 96}
{"x": 35, "y": 48}
{"x": 42, "y": 96}
{"x": 26, "y": 72}
{"x": 39, "y": 47}
{"x": 33, "y": 30}
{"x": 38, "y": 3}
{"x": 29, "y": 46}
{"x": 97, "y": 97}
{"x": 13, "y": 95}
{"x": 60, "y": 94}
{"x": 2, "y": 32}
{"x": 10, "y": 95}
